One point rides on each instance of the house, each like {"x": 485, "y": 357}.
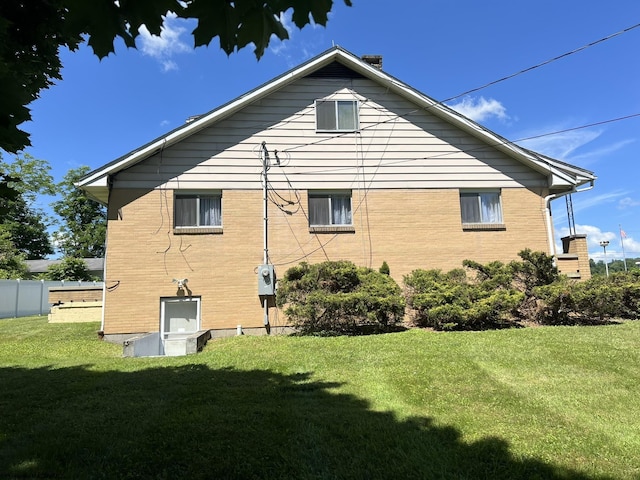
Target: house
{"x": 95, "y": 266}
{"x": 335, "y": 159}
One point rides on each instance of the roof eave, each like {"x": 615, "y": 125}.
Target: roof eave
{"x": 559, "y": 175}
{"x": 207, "y": 119}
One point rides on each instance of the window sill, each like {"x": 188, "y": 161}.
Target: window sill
{"x": 349, "y": 130}
{"x": 483, "y": 227}
{"x": 197, "y": 230}
{"x": 332, "y": 229}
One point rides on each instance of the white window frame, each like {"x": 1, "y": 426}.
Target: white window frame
{"x": 336, "y": 102}
{"x": 330, "y": 196}
{"x": 198, "y": 195}
{"x": 483, "y": 222}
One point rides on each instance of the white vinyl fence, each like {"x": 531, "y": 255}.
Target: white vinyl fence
{"x": 20, "y": 298}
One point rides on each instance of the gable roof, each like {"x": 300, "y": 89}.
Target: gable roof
{"x": 562, "y": 177}
{"x": 41, "y": 266}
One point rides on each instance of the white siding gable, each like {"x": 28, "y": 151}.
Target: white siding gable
{"x": 399, "y": 145}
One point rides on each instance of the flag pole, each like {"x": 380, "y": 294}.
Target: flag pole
{"x": 623, "y": 234}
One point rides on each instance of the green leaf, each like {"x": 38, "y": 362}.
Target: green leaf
{"x": 318, "y": 10}
{"x": 257, "y": 27}
{"x": 215, "y": 18}
{"x": 149, "y": 13}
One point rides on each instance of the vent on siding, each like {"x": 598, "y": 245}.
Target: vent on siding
{"x": 335, "y": 70}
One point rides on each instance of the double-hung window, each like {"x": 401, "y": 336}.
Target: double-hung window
{"x": 481, "y": 209}
{"x": 336, "y": 115}
{"x": 198, "y": 210}
{"x": 329, "y": 209}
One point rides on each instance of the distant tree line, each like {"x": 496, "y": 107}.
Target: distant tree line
{"x": 80, "y": 222}
{"x": 598, "y": 268}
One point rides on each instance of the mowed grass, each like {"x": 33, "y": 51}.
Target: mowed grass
{"x": 551, "y": 402}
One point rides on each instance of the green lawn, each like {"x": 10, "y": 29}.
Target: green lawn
{"x": 549, "y": 402}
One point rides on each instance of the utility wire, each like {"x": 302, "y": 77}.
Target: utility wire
{"x": 475, "y": 149}
{"x": 595, "y": 124}
{"x": 441, "y": 103}
{"x": 547, "y": 62}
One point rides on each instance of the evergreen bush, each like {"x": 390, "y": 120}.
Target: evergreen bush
{"x": 337, "y": 297}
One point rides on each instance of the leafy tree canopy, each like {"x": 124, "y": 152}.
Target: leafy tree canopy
{"x": 84, "y": 226}
{"x": 26, "y": 226}
{"x": 33, "y": 31}
{"x": 12, "y": 263}
{"x": 69, "y": 269}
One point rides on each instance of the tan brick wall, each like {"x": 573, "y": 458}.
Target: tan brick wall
{"x": 75, "y": 294}
{"x": 576, "y": 245}
{"x": 406, "y": 228}
{"x": 77, "y": 312}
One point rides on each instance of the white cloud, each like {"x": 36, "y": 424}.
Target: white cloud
{"x": 480, "y": 109}
{"x": 595, "y": 235}
{"x": 597, "y": 200}
{"x": 593, "y": 156}
{"x": 168, "y": 44}
{"x": 295, "y": 51}
{"x": 628, "y": 202}
{"x": 560, "y": 145}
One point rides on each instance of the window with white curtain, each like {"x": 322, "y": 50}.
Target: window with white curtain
{"x": 337, "y": 115}
{"x": 327, "y": 209}
{"x": 482, "y": 207}
{"x": 198, "y": 210}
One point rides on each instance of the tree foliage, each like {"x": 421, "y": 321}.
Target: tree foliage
{"x": 83, "y": 231}
{"x": 598, "y": 268}
{"x": 12, "y": 263}
{"x": 32, "y": 33}
{"x": 69, "y": 269}
{"x": 27, "y": 230}
{"x": 26, "y": 224}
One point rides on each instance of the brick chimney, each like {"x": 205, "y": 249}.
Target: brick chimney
{"x": 373, "y": 60}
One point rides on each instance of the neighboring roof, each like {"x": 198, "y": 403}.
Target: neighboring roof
{"x": 562, "y": 176}
{"x": 41, "y": 266}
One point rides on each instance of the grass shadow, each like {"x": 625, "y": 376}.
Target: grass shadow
{"x": 194, "y": 422}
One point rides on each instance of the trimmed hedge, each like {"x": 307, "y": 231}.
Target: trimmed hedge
{"x": 496, "y": 295}
{"x": 336, "y": 297}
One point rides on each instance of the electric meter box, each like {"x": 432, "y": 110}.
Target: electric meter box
{"x": 266, "y": 280}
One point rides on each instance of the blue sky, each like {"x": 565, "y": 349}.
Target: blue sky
{"x": 104, "y": 109}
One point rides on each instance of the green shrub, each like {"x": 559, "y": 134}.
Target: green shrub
{"x": 629, "y": 285}
{"x": 68, "y": 269}
{"x": 597, "y": 299}
{"x": 536, "y": 269}
{"x": 339, "y": 298}
{"x": 384, "y": 268}
{"x": 557, "y": 303}
{"x": 452, "y": 301}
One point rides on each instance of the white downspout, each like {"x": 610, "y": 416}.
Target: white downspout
{"x": 104, "y": 267}
{"x": 104, "y": 284}
{"x": 547, "y": 210}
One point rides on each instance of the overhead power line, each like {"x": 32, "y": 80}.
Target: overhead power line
{"x": 595, "y": 124}
{"x": 474, "y": 149}
{"x": 551, "y": 60}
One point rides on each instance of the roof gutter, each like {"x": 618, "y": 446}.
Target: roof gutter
{"x": 547, "y": 210}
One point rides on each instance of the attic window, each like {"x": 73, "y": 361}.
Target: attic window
{"x": 336, "y": 115}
